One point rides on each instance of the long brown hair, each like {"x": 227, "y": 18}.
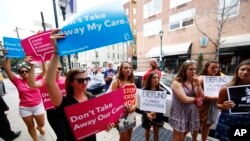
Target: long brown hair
{"x": 70, "y": 78}
{"x": 204, "y": 70}
{"x": 236, "y": 80}
{"x": 120, "y": 76}
{"x": 149, "y": 81}
{"x": 182, "y": 74}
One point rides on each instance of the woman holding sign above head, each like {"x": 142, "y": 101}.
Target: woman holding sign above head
{"x": 53, "y": 117}
{"x": 227, "y": 120}
{"x": 30, "y": 106}
{"x": 187, "y": 96}
{"x": 75, "y": 85}
{"x": 125, "y": 79}
{"x": 150, "y": 118}
{"x": 208, "y": 112}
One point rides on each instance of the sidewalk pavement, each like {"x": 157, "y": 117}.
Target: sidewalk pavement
{"x": 11, "y": 98}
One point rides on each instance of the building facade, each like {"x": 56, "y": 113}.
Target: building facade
{"x": 190, "y": 28}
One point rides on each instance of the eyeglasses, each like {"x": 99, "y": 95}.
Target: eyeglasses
{"x": 23, "y": 71}
{"x": 59, "y": 69}
{"x": 192, "y": 69}
{"x": 127, "y": 68}
{"x": 82, "y": 80}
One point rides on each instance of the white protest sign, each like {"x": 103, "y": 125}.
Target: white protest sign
{"x": 212, "y": 84}
{"x": 154, "y": 101}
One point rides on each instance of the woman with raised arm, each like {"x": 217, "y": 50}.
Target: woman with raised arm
{"x": 54, "y": 119}
{"x": 30, "y": 105}
{"x": 187, "y": 95}
{"x": 75, "y": 85}
{"x": 124, "y": 77}
{"x": 226, "y": 120}
{"x": 208, "y": 112}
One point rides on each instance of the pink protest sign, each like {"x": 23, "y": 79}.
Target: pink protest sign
{"x": 94, "y": 115}
{"x": 38, "y": 46}
{"x": 129, "y": 92}
{"x": 45, "y": 96}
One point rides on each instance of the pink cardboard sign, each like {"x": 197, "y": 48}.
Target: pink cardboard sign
{"x": 38, "y": 46}
{"x": 94, "y": 115}
{"x": 45, "y": 96}
{"x": 129, "y": 91}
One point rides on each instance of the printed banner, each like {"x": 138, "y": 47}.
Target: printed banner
{"x": 13, "y": 47}
{"x": 95, "y": 114}
{"x": 38, "y": 46}
{"x": 154, "y": 101}
{"x": 45, "y": 96}
{"x": 240, "y": 95}
{"x": 95, "y": 27}
{"x": 129, "y": 91}
{"x": 212, "y": 84}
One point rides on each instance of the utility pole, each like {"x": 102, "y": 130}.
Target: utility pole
{"x": 56, "y": 22}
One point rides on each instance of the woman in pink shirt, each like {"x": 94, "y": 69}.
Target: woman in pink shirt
{"x": 30, "y": 105}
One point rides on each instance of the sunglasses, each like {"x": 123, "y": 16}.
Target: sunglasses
{"x": 82, "y": 80}
{"x": 59, "y": 69}
{"x": 23, "y": 71}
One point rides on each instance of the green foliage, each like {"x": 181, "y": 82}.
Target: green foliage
{"x": 200, "y": 60}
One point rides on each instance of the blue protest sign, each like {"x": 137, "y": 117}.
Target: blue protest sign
{"x": 95, "y": 27}
{"x": 13, "y": 47}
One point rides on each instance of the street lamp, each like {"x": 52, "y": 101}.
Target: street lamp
{"x": 63, "y": 5}
{"x": 161, "y": 55}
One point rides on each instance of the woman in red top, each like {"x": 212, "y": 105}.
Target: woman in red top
{"x": 125, "y": 76}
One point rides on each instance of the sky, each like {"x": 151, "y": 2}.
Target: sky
{"x": 23, "y": 14}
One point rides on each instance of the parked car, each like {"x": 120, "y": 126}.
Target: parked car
{"x": 96, "y": 84}
{"x": 165, "y": 83}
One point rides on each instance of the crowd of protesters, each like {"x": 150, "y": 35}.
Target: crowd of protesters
{"x": 191, "y": 109}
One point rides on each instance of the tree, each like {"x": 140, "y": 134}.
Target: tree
{"x": 221, "y": 15}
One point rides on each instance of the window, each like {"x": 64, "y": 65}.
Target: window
{"x": 117, "y": 55}
{"x": 182, "y": 19}
{"x": 127, "y": 11}
{"x": 134, "y": 20}
{"x": 152, "y": 28}
{"x": 108, "y": 55}
{"x": 113, "y": 55}
{"x": 151, "y": 8}
{"x": 228, "y": 8}
{"x": 96, "y": 54}
{"x": 134, "y": 11}
{"x": 175, "y": 3}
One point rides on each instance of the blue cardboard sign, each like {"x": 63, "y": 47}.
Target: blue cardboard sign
{"x": 13, "y": 47}
{"x": 95, "y": 27}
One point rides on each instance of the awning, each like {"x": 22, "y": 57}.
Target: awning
{"x": 175, "y": 49}
{"x": 234, "y": 41}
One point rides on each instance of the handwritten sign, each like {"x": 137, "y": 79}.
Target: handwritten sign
{"x": 13, "y": 47}
{"x": 95, "y": 27}
{"x": 129, "y": 92}
{"x": 212, "y": 84}
{"x": 155, "y": 101}
{"x": 240, "y": 95}
{"x": 38, "y": 46}
{"x": 95, "y": 114}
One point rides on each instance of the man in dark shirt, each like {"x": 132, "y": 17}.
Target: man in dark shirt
{"x": 108, "y": 75}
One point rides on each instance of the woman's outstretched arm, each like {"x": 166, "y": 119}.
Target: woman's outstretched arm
{"x": 50, "y": 78}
